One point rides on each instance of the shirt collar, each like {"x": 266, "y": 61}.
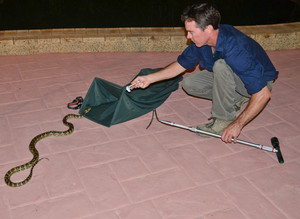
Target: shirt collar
{"x": 220, "y": 39}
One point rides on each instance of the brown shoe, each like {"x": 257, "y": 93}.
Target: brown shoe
{"x": 217, "y": 126}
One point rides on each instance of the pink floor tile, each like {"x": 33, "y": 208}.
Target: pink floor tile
{"x": 72, "y": 206}
{"x": 119, "y": 132}
{"x": 288, "y": 114}
{"x": 29, "y": 118}
{"x": 17, "y": 197}
{"x": 279, "y": 178}
{"x": 128, "y": 171}
{"x": 283, "y": 130}
{"x": 195, "y": 165}
{"x": 101, "y": 153}
{"x": 7, "y": 98}
{"x": 284, "y": 98}
{"x": 228, "y": 213}
{"x": 155, "y": 157}
{"x": 43, "y": 73}
{"x": 9, "y": 152}
{"x": 106, "y": 215}
{"x": 61, "y": 177}
{"x": 54, "y": 96}
{"x": 158, "y": 184}
{"x": 10, "y": 73}
{"x": 4, "y": 207}
{"x": 193, "y": 203}
{"x": 5, "y": 132}
{"x": 102, "y": 188}
{"x": 144, "y": 210}
{"x": 212, "y": 148}
{"x": 5, "y": 88}
{"x": 128, "y": 168}
{"x": 176, "y": 137}
{"x": 292, "y": 144}
{"x": 290, "y": 206}
{"x": 248, "y": 199}
{"x": 189, "y": 113}
{"x": 244, "y": 162}
{"x": 22, "y": 106}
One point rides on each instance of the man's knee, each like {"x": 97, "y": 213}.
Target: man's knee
{"x": 187, "y": 84}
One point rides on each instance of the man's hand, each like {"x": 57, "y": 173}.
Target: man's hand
{"x": 141, "y": 82}
{"x": 231, "y": 132}
{"x": 168, "y": 72}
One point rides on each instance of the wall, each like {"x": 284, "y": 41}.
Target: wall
{"x": 23, "y": 42}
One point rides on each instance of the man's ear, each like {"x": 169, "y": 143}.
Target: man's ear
{"x": 209, "y": 28}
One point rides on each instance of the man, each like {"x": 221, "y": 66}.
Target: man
{"x": 237, "y": 70}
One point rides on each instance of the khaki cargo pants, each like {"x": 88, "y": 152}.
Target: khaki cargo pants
{"x": 222, "y": 86}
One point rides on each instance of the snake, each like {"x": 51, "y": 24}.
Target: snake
{"x": 31, "y": 164}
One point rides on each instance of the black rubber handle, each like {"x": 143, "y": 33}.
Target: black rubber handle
{"x": 275, "y": 144}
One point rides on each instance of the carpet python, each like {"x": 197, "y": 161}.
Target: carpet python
{"x": 31, "y": 164}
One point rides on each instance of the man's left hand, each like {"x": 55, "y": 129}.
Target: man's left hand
{"x": 231, "y": 133}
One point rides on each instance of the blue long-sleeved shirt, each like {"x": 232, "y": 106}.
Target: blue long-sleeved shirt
{"x": 244, "y": 55}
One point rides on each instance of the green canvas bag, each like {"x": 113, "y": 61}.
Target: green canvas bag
{"x": 112, "y": 104}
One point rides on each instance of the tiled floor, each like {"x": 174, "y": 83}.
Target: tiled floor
{"x": 127, "y": 171}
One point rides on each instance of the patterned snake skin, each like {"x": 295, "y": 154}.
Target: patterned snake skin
{"x": 35, "y": 152}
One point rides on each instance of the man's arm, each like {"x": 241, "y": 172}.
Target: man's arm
{"x": 256, "y": 104}
{"x": 168, "y": 72}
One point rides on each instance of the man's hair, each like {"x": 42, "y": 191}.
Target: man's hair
{"x": 203, "y": 14}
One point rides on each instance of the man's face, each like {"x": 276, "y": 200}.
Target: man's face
{"x": 196, "y": 34}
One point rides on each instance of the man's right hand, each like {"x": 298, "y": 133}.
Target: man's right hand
{"x": 141, "y": 82}
{"x": 168, "y": 72}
